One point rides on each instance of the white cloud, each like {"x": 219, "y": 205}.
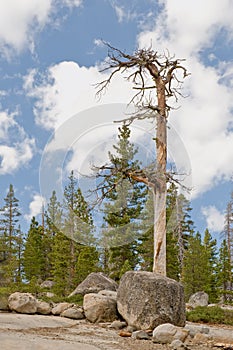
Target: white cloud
{"x": 35, "y": 207}
{"x": 214, "y": 218}
{"x": 68, "y": 89}
{"x": 21, "y": 20}
{"x": 16, "y": 147}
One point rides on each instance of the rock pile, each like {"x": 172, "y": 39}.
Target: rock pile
{"x": 145, "y": 306}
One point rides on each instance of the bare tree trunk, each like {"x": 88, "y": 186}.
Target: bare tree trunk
{"x": 160, "y": 189}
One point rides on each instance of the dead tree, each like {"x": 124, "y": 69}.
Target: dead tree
{"x": 155, "y": 79}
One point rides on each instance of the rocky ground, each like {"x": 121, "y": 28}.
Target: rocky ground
{"x": 27, "y": 332}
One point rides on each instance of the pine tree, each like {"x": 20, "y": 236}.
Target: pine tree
{"x": 33, "y": 258}
{"x": 146, "y": 239}
{"x": 78, "y": 224}
{"x": 123, "y": 206}
{"x": 224, "y": 275}
{"x": 8, "y": 236}
{"x": 228, "y": 228}
{"x": 210, "y": 246}
{"x": 195, "y": 267}
{"x": 58, "y": 246}
{"x": 53, "y": 224}
{"x": 87, "y": 262}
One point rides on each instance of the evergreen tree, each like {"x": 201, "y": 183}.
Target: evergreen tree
{"x": 123, "y": 206}
{"x": 146, "y": 245}
{"x": 8, "y": 236}
{"x": 78, "y": 225}
{"x": 228, "y": 228}
{"x": 87, "y": 262}
{"x": 195, "y": 267}
{"x": 224, "y": 271}
{"x": 33, "y": 258}
{"x": 53, "y": 225}
{"x": 210, "y": 246}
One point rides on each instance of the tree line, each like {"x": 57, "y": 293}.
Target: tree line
{"x": 64, "y": 247}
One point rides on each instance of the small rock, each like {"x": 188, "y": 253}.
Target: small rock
{"x": 140, "y": 335}
{"x": 194, "y": 329}
{"x": 43, "y": 308}
{"x": 166, "y": 333}
{"x": 47, "y": 284}
{"x": 75, "y": 313}
{"x": 198, "y": 299}
{"x": 59, "y": 308}
{"x": 117, "y": 325}
{"x": 124, "y": 334}
{"x": 200, "y": 338}
{"x": 177, "y": 345}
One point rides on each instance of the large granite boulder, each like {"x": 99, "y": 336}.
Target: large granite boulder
{"x": 198, "y": 299}
{"x": 99, "y": 308}
{"x": 146, "y": 300}
{"x": 24, "y": 303}
{"x": 95, "y": 282}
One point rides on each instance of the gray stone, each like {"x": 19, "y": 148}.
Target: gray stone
{"x": 47, "y": 284}
{"x": 95, "y": 282}
{"x": 198, "y": 299}
{"x": 194, "y": 329}
{"x": 43, "y": 308}
{"x": 166, "y": 333}
{"x": 177, "y": 345}
{"x": 146, "y": 299}
{"x": 59, "y": 308}
{"x": 24, "y": 303}
{"x": 75, "y": 313}
{"x": 99, "y": 308}
{"x": 140, "y": 335}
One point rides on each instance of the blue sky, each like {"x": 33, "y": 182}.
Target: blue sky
{"x": 50, "y": 59}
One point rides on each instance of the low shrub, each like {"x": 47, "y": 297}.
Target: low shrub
{"x": 212, "y": 314}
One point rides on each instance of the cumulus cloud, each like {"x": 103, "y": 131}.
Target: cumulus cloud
{"x": 16, "y": 147}
{"x": 68, "y": 89}
{"x": 21, "y": 20}
{"x": 35, "y": 207}
{"x": 214, "y": 218}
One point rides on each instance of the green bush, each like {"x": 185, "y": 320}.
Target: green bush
{"x": 213, "y": 314}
